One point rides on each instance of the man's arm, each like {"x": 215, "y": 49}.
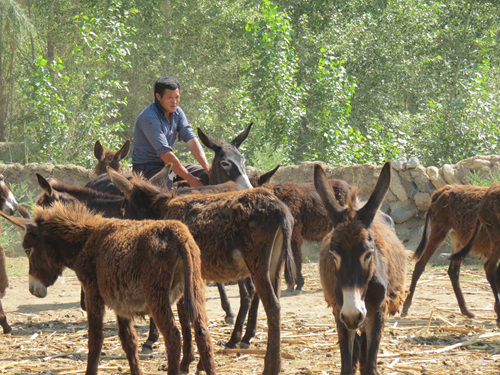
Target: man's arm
{"x": 198, "y": 153}
{"x": 169, "y": 157}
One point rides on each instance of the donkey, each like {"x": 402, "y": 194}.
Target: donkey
{"x": 107, "y": 158}
{"x": 362, "y": 270}
{"x": 240, "y": 234}
{"x": 487, "y": 225}
{"x": 453, "y": 212}
{"x": 9, "y": 206}
{"x": 133, "y": 267}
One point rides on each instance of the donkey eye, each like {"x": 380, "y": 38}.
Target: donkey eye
{"x": 336, "y": 258}
{"x": 27, "y": 251}
{"x": 225, "y": 164}
{"x": 367, "y": 257}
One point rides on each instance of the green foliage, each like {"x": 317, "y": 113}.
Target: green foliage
{"x": 480, "y": 178}
{"x": 74, "y": 101}
{"x": 267, "y": 157}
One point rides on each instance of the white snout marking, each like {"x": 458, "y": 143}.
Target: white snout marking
{"x": 353, "y": 312}
{"x": 244, "y": 182}
{"x": 10, "y": 204}
{"x": 37, "y": 288}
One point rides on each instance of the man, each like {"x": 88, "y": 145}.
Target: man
{"x": 155, "y": 132}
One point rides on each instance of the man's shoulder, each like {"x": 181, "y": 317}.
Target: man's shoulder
{"x": 149, "y": 112}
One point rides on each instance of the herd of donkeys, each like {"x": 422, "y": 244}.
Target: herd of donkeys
{"x": 138, "y": 247}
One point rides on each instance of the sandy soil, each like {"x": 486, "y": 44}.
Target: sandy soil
{"x": 50, "y": 335}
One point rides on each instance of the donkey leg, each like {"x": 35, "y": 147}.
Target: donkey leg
{"x": 203, "y": 340}
{"x": 128, "y": 338}
{"x": 265, "y": 290}
{"x": 299, "y": 259}
{"x": 245, "y": 301}
{"x": 347, "y": 341}
{"x": 187, "y": 346}
{"x": 252, "y": 316}
{"x": 434, "y": 242}
{"x": 153, "y": 337}
{"x": 372, "y": 341}
{"x": 3, "y": 320}
{"x": 165, "y": 320}
{"x": 82, "y": 300}
{"x": 492, "y": 274}
{"x": 454, "y": 274}
{"x": 95, "y": 315}
{"x": 226, "y": 306}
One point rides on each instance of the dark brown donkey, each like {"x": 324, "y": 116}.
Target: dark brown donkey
{"x": 362, "y": 269}
{"x": 487, "y": 225}
{"x": 8, "y": 205}
{"x": 240, "y": 234}
{"x": 452, "y": 212}
{"x": 133, "y": 267}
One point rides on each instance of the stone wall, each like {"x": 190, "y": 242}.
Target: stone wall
{"x": 411, "y": 187}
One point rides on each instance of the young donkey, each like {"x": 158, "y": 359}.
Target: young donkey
{"x": 452, "y": 212}
{"x": 487, "y": 226}
{"x": 240, "y": 234}
{"x": 133, "y": 267}
{"x": 362, "y": 269}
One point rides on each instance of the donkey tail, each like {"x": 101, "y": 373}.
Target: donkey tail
{"x": 189, "y": 254}
{"x": 466, "y": 249}
{"x": 418, "y": 252}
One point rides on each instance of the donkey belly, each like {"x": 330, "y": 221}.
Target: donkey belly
{"x": 224, "y": 267}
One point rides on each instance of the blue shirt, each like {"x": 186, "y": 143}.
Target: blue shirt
{"x": 154, "y": 135}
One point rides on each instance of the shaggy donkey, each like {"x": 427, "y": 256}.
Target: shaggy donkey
{"x": 488, "y": 223}
{"x": 362, "y": 269}
{"x": 452, "y": 212}
{"x": 240, "y": 234}
{"x": 133, "y": 267}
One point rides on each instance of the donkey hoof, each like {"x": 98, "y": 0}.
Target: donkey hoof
{"x": 229, "y": 320}
{"x": 146, "y": 348}
{"x": 468, "y": 314}
{"x": 243, "y": 345}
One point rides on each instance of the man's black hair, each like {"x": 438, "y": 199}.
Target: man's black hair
{"x": 166, "y": 82}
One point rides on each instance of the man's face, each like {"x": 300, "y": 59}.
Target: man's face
{"x": 169, "y": 100}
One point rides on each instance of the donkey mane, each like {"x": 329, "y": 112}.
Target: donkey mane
{"x": 76, "y": 216}
{"x": 78, "y": 190}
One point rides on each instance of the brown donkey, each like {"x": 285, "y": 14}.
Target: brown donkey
{"x": 240, "y": 234}
{"x": 362, "y": 269}
{"x": 133, "y": 267}
{"x": 452, "y": 212}
{"x": 487, "y": 225}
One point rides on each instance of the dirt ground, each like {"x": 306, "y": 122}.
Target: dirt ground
{"x": 50, "y": 335}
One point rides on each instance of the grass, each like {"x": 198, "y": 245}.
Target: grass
{"x": 480, "y": 178}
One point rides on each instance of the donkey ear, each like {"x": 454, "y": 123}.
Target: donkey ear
{"x": 21, "y": 223}
{"x": 335, "y": 212}
{"x": 98, "y": 151}
{"x": 242, "y": 136}
{"x": 121, "y": 182}
{"x": 44, "y": 184}
{"x": 123, "y": 151}
{"x": 367, "y": 213}
{"x": 160, "y": 179}
{"x": 266, "y": 177}
{"x": 208, "y": 141}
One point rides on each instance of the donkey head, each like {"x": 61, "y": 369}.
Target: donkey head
{"x": 352, "y": 247}
{"x": 228, "y": 164}
{"x": 44, "y": 265}
{"x": 51, "y": 195}
{"x": 140, "y": 195}
{"x": 8, "y": 203}
{"x": 107, "y": 158}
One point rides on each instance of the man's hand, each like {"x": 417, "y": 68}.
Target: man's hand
{"x": 194, "y": 181}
